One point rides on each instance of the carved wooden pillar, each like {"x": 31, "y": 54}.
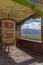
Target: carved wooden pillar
{"x": 18, "y": 31}
{"x": 42, "y": 29}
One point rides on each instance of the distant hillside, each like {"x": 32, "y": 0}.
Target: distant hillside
{"x": 30, "y": 31}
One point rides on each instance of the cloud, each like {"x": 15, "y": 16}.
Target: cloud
{"x": 38, "y": 19}
{"x": 32, "y": 25}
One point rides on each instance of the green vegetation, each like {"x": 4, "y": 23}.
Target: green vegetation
{"x": 35, "y": 37}
{"x": 28, "y": 4}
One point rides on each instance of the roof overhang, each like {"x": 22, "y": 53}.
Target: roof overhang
{"x": 35, "y": 7}
{"x": 14, "y": 10}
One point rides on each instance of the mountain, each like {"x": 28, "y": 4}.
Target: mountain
{"x": 30, "y": 31}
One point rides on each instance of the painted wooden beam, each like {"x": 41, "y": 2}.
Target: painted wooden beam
{"x": 33, "y": 16}
{"x": 28, "y": 4}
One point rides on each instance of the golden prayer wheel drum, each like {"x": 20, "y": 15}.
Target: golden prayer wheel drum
{"x": 8, "y": 31}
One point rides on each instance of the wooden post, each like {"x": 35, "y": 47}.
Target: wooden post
{"x": 20, "y": 30}
{"x": 42, "y": 29}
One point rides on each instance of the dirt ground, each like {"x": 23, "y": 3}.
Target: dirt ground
{"x": 17, "y": 56}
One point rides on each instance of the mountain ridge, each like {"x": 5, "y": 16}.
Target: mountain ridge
{"x": 30, "y": 31}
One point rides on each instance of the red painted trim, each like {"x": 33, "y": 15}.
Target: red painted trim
{"x": 34, "y": 46}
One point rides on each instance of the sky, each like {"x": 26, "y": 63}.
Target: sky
{"x": 33, "y": 1}
{"x": 32, "y": 24}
